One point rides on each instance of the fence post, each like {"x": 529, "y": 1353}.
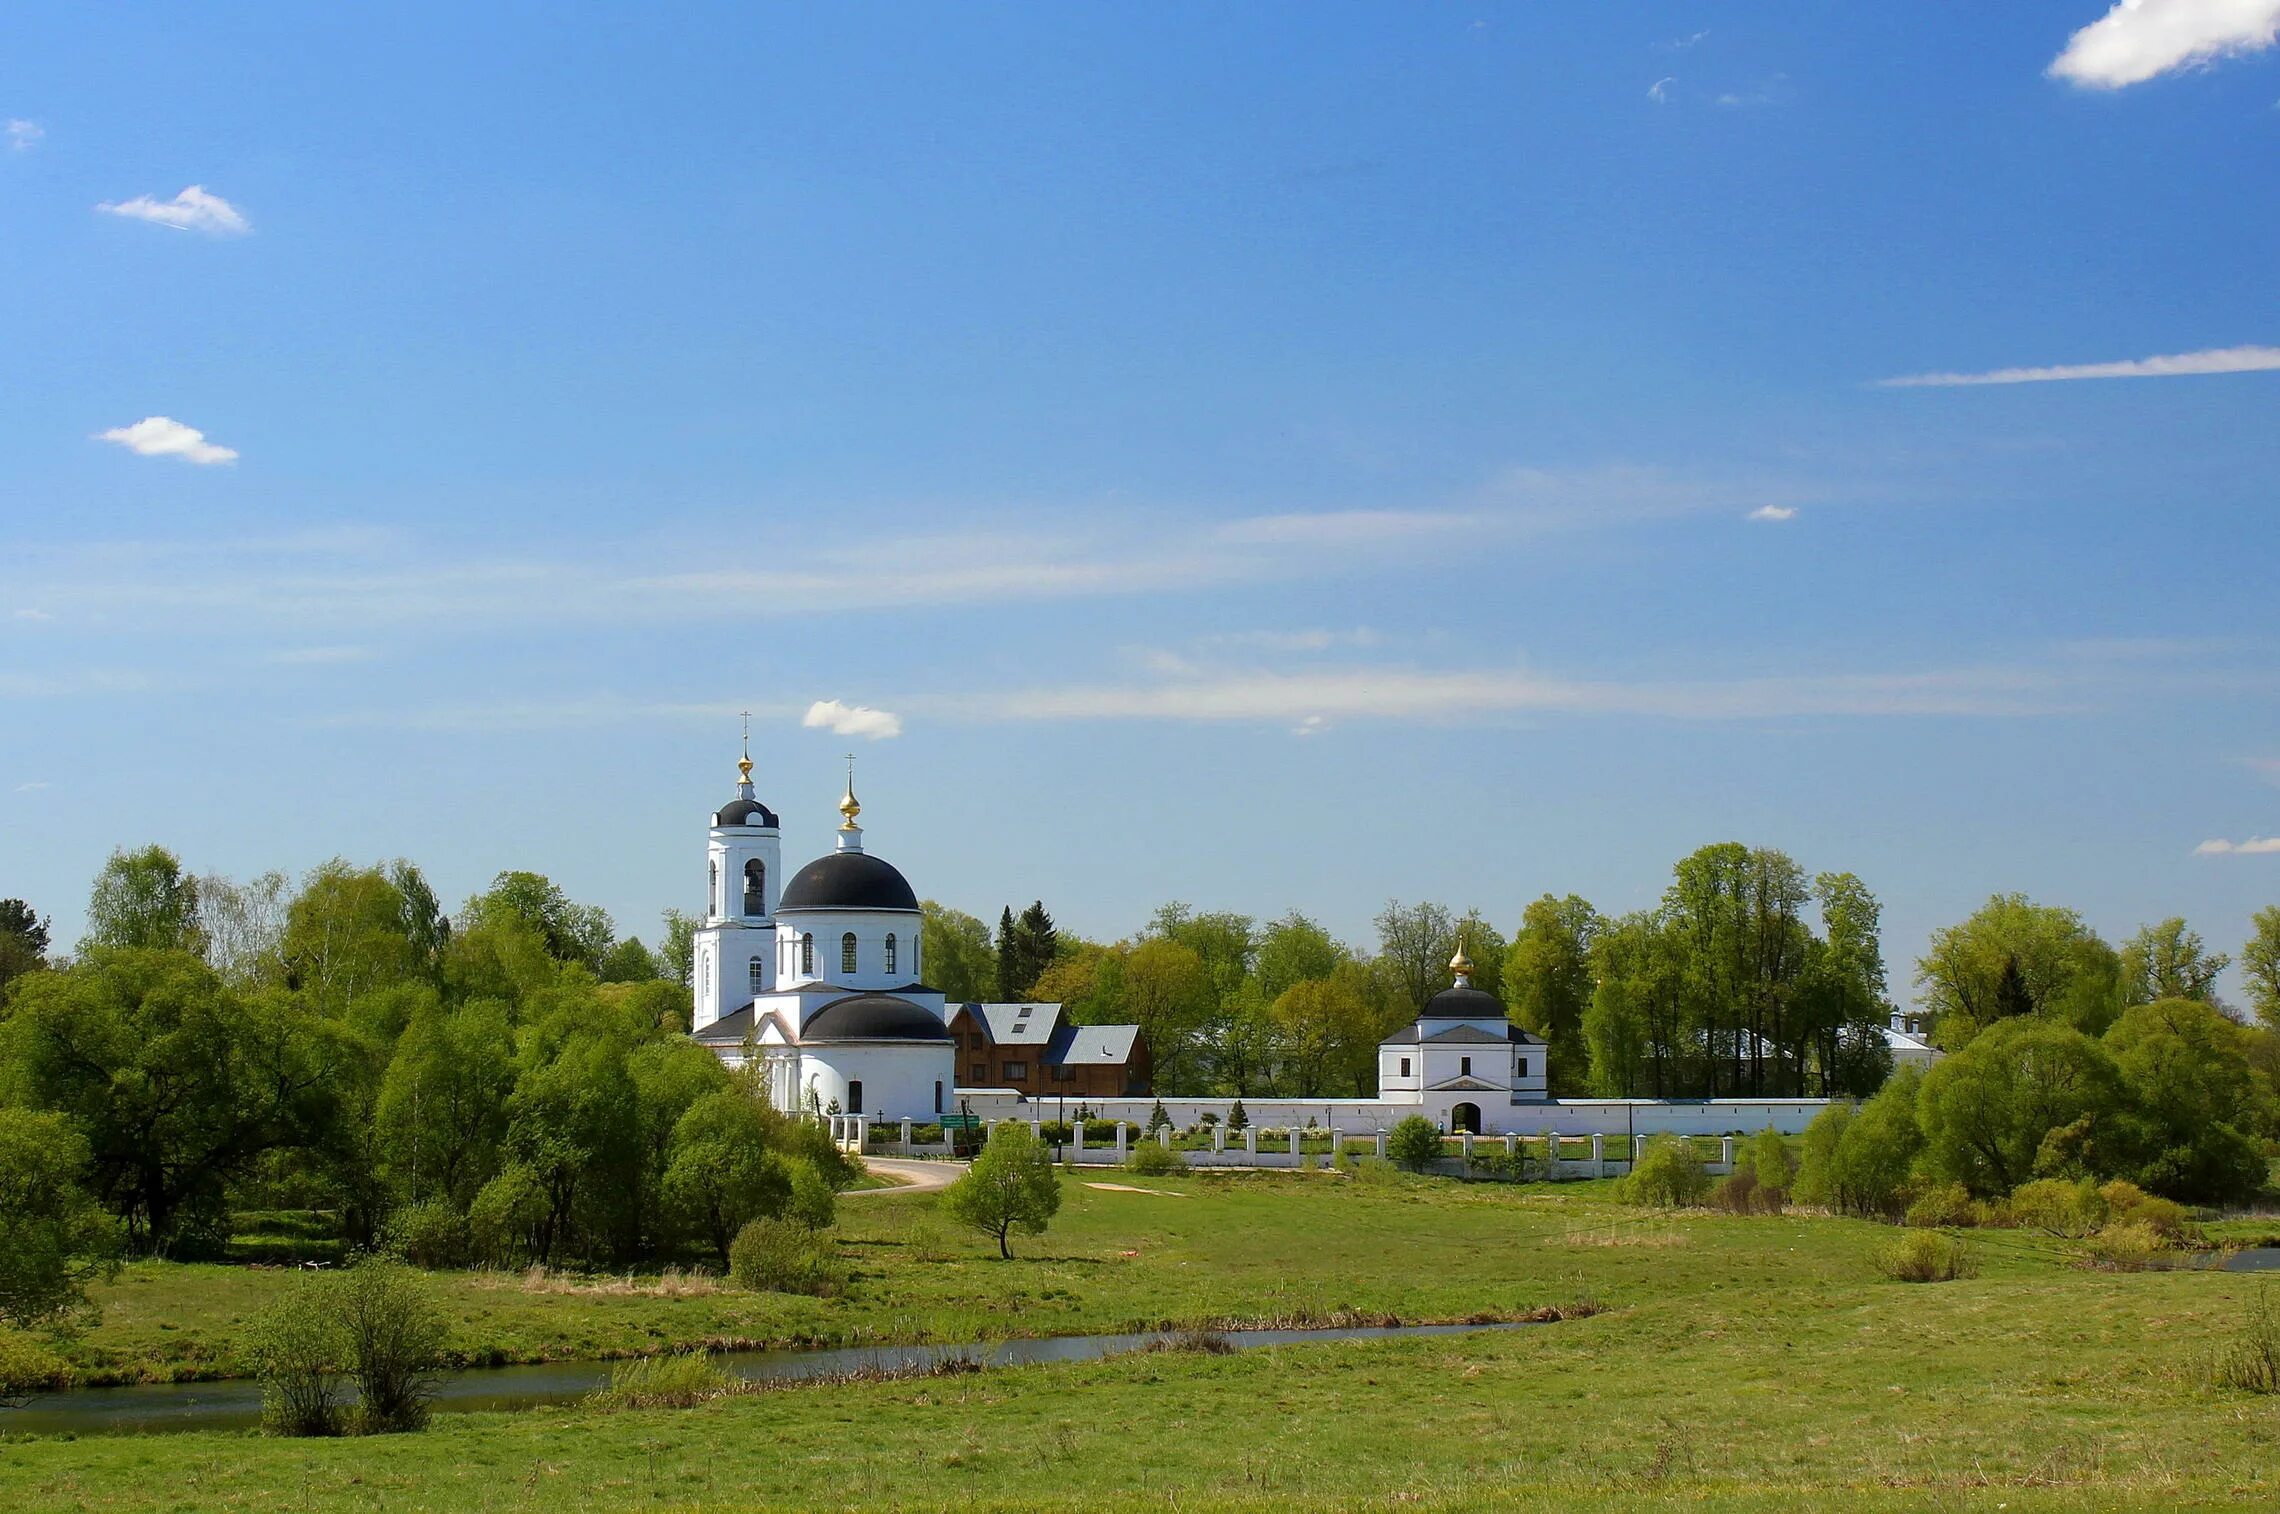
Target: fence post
{"x": 1599, "y": 1156}
{"x": 1726, "y": 1152}
{"x": 1120, "y": 1138}
{"x": 1297, "y": 1151}
{"x": 1164, "y": 1138}
{"x": 906, "y": 1125}
{"x": 1218, "y": 1138}
{"x": 1076, "y": 1141}
{"x": 1251, "y": 1143}
{"x": 1381, "y": 1144}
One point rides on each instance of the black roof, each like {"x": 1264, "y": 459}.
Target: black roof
{"x": 847, "y": 880}
{"x": 873, "y": 1017}
{"x": 1463, "y": 1004}
{"x": 745, "y": 812}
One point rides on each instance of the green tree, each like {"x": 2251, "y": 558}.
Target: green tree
{"x": 1009, "y": 958}
{"x": 177, "y": 1083}
{"x": 1876, "y": 1152}
{"x": 573, "y": 1122}
{"x": 1988, "y": 1110}
{"x": 628, "y": 961}
{"x": 1414, "y": 1143}
{"x": 143, "y": 900}
{"x": 1293, "y": 950}
{"x": 954, "y": 953}
{"x": 1170, "y": 996}
{"x": 2260, "y": 966}
{"x": 677, "y": 948}
{"x": 244, "y": 924}
{"x": 1548, "y": 982}
{"x": 2187, "y": 1068}
{"x": 2065, "y": 970}
{"x": 345, "y": 937}
{"x": 1766, "y": 1159}
{"x": 1816, "y": 1181}
{"x": 1415, "y": 943}
{"x": 1010, "y": 1186}
{"x": 54, "y": 1238}
{"x": 442, "y": 1110}
{"x": 1322, "y": 1024}
{"x": 1843, "y": 992}
{"x": 720, "y": 1173}
{"x": 1487, "y": 948}
{"x": 2168, "y": 961}
{"x": 571, "y": 932}
{"x": 23, "y": 942}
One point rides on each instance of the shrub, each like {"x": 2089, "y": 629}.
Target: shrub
{"x": 1151, "y": 1159}
{"x": 1943, "y": 1204}
{"x": 28, "y": 1366}
{"x": 1157, "y": 1119}
{"x": 2060, "y": 1207}
{"x": 1926, "y": 1256}
{"x": 810, "y": 1204}
{"x": 681, "y": 1380}
{"x": 778, "y": 1256}
{"x": 506, "y": 1214}
{"x": 1740, "y": 1194}
{"x": 2250, "y": 1362}
{"x": 2167, "y": 1217}
{"x": 1056, "y": 1132}
{"x": 1413, "y": 1143}
{"x": 1668, "y": 1174}
{"x": 1766, "y": 1160}
{"x": 429, "y": 1234}
{"x": 392, "y": 1335}
{"x": 295, "y": 1348}
{"x": 1816, "y": 1181}
{"x": 2130, "y": 1246}
{"x": 1238, "y": 1117}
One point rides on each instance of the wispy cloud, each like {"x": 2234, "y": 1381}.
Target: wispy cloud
{"x": 192, "y": 210}
{"x": 1774, "y": 512}
{"x": 851, "y": 720}
{"x": 2266, "y": 768}
{"x": 163, "y": 436}
{"x": 1659, "y": 91}
{"x": 30, "y": 614}
{"x": 1312, "y": 725}
{"x": 22, "y": 135}
{"x": 2254, "y": 846}
{"x": 31, "y": 788}
{"x": 1343, "y": 528}
{"x": 2173, "y": 365}
{"x": 2143, "y": 39}
{"x": 1314, "y": 640}
{"x": 311, "y": 657}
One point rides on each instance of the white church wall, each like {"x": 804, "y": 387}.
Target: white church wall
{"x": 899, "y": 1079}
{"x": 1579, "y": 1117}
{"x": 870, "y": 929}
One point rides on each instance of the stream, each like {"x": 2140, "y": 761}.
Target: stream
{"x": 236, "y": 1404}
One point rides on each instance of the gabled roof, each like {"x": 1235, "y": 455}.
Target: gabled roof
{"x": 1095, "y": 1045}
{"x": 1436, "y": 1033}
{"x": 1006, "y": 1025}
{"x": 1466, "y": 1084}
{"x": 731, "y": 1029}
{"x": 1462, "y": 1035}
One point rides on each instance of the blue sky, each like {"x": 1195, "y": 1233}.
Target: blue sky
{"x": 1273, "y": 456}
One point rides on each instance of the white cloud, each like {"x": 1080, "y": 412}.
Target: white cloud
{"x": 1659, "y": 91}
{"x": 2143, "y": 39}
{"x": 30, "y": 788}
{"x": 191, "y": 210}
{"x": 1774, "y": 512}
{"x": 30, "y": 615}
{"x": 163, "y": 436}
{"x": 1291, "y": 641}
{"x": 22, "y": 136}
{"x": 1342, "y": 528}
{"x": 2254, "y": 846}
{"x": 1312, "y": 725}
{"x": 299, "y": 657}
{"x": 852, "y": 720}
{"x": 2173, "y": 365}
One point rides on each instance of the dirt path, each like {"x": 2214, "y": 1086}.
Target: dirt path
{"x": 909, "y": 1177}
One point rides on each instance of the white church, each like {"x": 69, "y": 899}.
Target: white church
{"x": 818, "y": 977}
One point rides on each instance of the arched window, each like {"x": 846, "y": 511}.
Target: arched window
{"x": 890, "y": 951}
{"x": 847, "y": 952}
{"x": 755, "y": 887}
{"x": 712, "y": 898}
{"x": 807, "y": 956}
{"x": 758, "y": 970}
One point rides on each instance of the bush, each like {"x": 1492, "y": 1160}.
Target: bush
{"x": 1009, "y": 1187}
{"x": 430, "y": 1234}
{"x": 392, "y": 1335}
{"x": 681, "y": 1380}
{"x": 1056, "y": 1132}
{"x": 1926, "y": 1256}
{"x": 2166, "y": 1217}
{"x": 778, "y": 1256}
{"x": 2250, "y": 1363}
{"x": 28, "y": 1366}
{"x": 506, "y": 1214}
{"x": 2060, "y": 1207}
{"x": 811, "y": 1203}
{"x": 1668, "y": 1174}
{"x": 1766, "y": 1160}
{"x": 1740, "y": 1194}
{"x": 1943, "y": 1204}
{"x": 295, "y": 1349}
{"x": 1238, "y": 1117}
{"x": 2130, "y": 1246}
{"x": 1414, "y": 1143}
{"x": 1150, "y": 1159}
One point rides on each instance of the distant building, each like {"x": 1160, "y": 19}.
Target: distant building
{"x": 1461, "y": 1054}
{"x": 1907, "y": 1037}
{"x": 1030, "y": 1049}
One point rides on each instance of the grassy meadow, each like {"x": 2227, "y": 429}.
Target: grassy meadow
{"x": 1739, "y": 1363}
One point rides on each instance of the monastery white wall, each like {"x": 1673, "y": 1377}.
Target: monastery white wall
{"x": 1578, "y": 1117}
{"x": 899, "y": 1079}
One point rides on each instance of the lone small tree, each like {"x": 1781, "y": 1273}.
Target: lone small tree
{"x": 1238, "y": 1118}
{"x": 1158, "y": 1119}
{"x": 1009, "y": 1187}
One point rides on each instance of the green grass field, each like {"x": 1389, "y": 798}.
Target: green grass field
{"x": 1741, "y": 1363}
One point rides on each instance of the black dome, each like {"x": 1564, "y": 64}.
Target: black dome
{"x": 873, "y": 1017}
{"x": 1464, "y": 1004}
{"x": 847, "y": 880}
{"x": 745, "y": 812}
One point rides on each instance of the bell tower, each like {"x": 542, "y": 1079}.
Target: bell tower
{"x": 735, "y": 955}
